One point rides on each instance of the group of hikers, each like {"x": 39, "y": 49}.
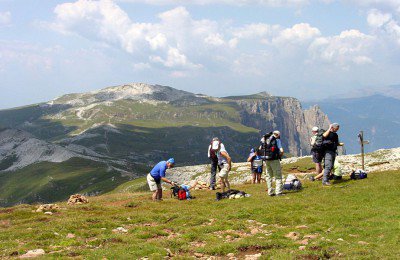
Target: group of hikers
{"x": 324, "y": 144}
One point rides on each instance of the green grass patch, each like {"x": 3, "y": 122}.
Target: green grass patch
{"x": 351, "y": 219}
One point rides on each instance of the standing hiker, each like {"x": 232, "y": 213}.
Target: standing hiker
{"x": 330, "y": 144}
{"x": 156, "y": 175}
{"x": 317, "y": 151}
{"x": 225, "y": 164}
{"x": 256, "y": 164}
{"x": 273, "y": 153}
{"x": 213, "y": 149}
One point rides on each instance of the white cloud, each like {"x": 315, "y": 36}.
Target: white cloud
{"x": 299, "y": 33}
{"x": 376, "y": 18}
{"x": 5, "y": 18}
{"x": 350, "y": 47}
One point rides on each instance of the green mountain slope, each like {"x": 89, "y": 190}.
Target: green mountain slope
{"x": 46, "y": 181}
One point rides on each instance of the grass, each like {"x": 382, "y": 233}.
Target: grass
{"x": 342, "y": 216}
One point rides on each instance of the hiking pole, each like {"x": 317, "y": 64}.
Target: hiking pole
{"x": 362, "y": 142}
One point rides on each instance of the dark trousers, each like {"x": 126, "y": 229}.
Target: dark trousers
{"x": 214, "y": 166}
{"x": 328, "y": 164}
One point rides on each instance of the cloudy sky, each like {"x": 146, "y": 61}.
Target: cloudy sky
{"x": 303, "y": 48}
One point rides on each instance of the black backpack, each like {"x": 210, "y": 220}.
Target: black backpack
{"x": 319, "y": 140}
{"x": 270, "y": 146}
{"x": 213, "y": 152}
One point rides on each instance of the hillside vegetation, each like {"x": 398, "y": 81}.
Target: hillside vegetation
{"x": 351, "y": 219}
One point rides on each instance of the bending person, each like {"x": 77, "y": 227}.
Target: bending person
{"x": 156, "y": 175}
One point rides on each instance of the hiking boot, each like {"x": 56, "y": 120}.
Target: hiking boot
{"x": 326, "y": 184}
{"x": 312, "y": 178}
{"x": 271, "y": 195}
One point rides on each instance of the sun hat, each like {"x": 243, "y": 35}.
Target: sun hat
{"x": 276, "y": 132}
{"x": 171, "y": 161}
{"x": 315, "y": 129}
{"x": 252, "y": 150}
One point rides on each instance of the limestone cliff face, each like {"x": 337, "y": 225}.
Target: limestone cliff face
{"x": 286, "y": 115}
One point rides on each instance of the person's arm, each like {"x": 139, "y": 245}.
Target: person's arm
{"x": 228, "y": 158}
{"x": 209, "y": 148}
{"x": 251, "y": 157}
{"x": 167, "y": 181}
{"x": 326, "y": 134}
{"x": 279, "y": 144}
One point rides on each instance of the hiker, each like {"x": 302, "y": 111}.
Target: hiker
{"x": 187, "y": 188}
{"x": 213, "y": 149}
{"x": 317, "y": 151}
{"x": 330, "y": 144}
{"x": 256, "y": 164}
{"x": 156, "y": 175}
{"x": 337, "y": 173}
{"x": 225, "y": 164}
{"x": 273, "y": 151}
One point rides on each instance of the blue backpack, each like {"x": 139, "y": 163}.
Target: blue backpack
{"x": 358, "y": 175}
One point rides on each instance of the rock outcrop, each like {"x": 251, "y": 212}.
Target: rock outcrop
{"x": 285, "y": 114}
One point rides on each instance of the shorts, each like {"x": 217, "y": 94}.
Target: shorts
{"x": 223, "y": 173}
{"x": 317, "y": 156}
{"x": 153, "y": 185}
{"x": 255, "y": 170}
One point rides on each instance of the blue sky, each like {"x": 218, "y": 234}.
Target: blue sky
{"x": 303, "y": 48}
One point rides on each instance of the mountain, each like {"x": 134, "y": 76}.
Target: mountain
{"x": 377, "y": 115}
{"x": 130, "y": 127}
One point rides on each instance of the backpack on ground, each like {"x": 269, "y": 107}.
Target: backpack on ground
{"x": 270, "y": 146}
{"x": 292, "y": 183}
{"x": 227, "y": 194}
{"x": 319, "y": 140}
{"x": 214, "y": 151}
{"x": 182, "y": 194}
{"x": 358, "y": 175}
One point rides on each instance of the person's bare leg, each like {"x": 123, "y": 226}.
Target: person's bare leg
{"x": 318, "y": 168}
{"x": 227, "y": 184}
{"x": 159, "y": 194}
{"x": 155, "y": 195}
{"x": 258, "y": 178}
{"x": 319, "y": 176}
{"x": 254, "y": 177}
{"x": 222, "y": 184}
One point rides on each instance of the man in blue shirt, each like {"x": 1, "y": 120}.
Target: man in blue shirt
{"x": 156, "y": 175}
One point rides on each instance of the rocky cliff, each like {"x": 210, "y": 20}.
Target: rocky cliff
{"x": 285, "y": 114}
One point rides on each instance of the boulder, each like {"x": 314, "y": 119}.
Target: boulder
{"x": 47, "y": 208}
{"x": 33, "y": 253}
{"x": 77, "y": 199}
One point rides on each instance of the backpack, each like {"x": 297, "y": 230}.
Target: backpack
{"x": 270, "y": 147}
{"x": 179, "y": 192}
{"x": 292, "y": 183}
{"x": 358, "y": 175}
{"x": 319, "y": 140}
{"x": 214, "y": 152}
{"x": 182, "y": 194}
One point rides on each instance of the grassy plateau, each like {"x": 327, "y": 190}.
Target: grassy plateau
{"x": 351, "y": 219}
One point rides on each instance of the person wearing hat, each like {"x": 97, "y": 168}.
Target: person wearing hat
{"x": 330, "y": 144}
{"x": 317, "y": 154}
{"x": 273, "y": 164}
{"x": 213, "y": 149}
{"x": 156, "y": 175}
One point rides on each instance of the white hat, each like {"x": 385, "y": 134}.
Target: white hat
{"x": 276, "y": 132}
{"x": 315, "y": 129}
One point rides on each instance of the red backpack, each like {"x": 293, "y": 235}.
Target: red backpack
{"x": 182, "y": 194}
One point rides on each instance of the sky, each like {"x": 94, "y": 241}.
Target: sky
{"x": 308, "y": 49}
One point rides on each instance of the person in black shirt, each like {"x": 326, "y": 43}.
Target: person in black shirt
{"x": 330, "y": 144}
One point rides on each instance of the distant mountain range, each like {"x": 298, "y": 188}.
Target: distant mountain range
{"x": 108, "y": 136}
{"x": 378, "y": 115}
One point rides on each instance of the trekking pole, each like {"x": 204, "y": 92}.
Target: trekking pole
{"x": 362, "y": 142}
